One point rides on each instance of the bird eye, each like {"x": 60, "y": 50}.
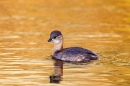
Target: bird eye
{"x": 54, "y": 37}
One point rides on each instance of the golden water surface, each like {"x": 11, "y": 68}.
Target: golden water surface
{"x": 102, "y": 26}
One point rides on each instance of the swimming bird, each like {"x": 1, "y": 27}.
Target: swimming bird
{"x": 70, "y": 54}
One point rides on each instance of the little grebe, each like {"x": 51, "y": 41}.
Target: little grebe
{"x": 71, "y": 54}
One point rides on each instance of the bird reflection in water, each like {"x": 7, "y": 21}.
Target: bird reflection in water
{"x": 58, "y": 72}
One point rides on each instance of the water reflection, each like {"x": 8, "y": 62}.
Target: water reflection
{"x": 58, "y": 71}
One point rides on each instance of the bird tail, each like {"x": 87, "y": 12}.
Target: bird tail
{"x": 94, "y": 57}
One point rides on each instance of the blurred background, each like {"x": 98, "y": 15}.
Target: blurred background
{"x": 102, "y": 26}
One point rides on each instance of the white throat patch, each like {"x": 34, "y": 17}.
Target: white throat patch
{"x": 56, "y": 41}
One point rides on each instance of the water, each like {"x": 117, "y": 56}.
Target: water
{"x": 101, "y": 26}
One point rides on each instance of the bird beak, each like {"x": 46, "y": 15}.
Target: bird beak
{"x": 49, "y": 40}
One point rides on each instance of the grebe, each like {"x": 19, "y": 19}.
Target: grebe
{"x": 71, "y": 54}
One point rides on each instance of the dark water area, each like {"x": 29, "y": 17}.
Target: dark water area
{"x": 98, "y": 25}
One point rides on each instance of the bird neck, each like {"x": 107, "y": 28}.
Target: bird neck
{"x": 57, "y": 47}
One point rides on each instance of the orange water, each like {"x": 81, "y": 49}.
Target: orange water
{"x": 102, "y": 26}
